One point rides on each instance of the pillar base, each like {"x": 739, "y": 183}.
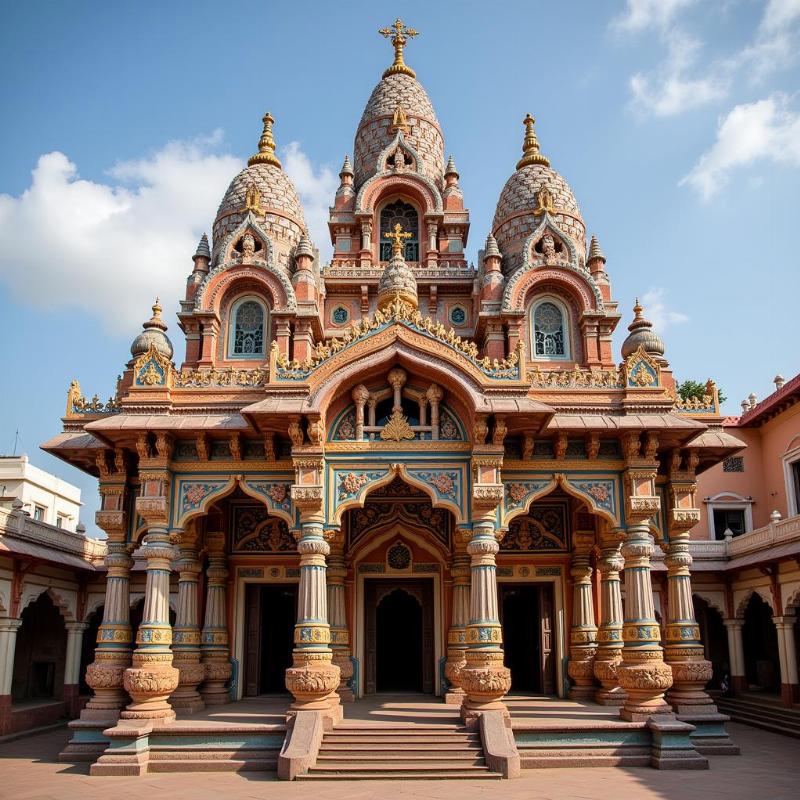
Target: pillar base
{"x": 471, "y": 712}
{"x": 709, "y": 735}
{"x": 610, "y": 697}
{"x": 214, "y": 691}
{"x": 672, "y": 746}
{"x": 455, "y": 696}
{"x": 581, "y": 693}
{"x": 346, "y": 695}
{"x": 187, "y": 705}
{"x": 790, "y": 693}
{"x": 150, "y": 687}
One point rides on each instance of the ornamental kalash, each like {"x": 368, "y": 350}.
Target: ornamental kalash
{"x": 397, "y": 473}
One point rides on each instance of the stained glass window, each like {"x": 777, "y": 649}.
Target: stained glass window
{"x": 248, "y": 335}
{"x": 406, "y": 215}
{"x": 550, "y": 339}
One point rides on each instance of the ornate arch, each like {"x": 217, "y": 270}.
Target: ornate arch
{"x": 599, "y": 494}
{"x": 570, "y": 274}
{"x": 443, "y": 485}
{"x": 194, "y": 496}
{"x": 65, "y": 605}
{"x": 217, "y": 283}
{"x": 793, "y": 602}
{"x": 93, "y": 606}
{"x": 396, "y": 530}
{"x": 249, "y": 221}
{"x": 763, "y": 592}
{"x": 717, "y": 603}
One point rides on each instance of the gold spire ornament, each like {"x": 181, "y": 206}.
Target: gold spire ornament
{"x": 399, "y": 35}
{"x": 544, "y": 201}
{"x": 252, "y": 200}
{"x": 266, "y": 145}
{"x": 530, "y": 147}
{"x": 397, "y": 236}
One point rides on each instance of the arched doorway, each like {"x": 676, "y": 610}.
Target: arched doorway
{"x": 404, "y": 214}
{"x": 760, "y": 642}
{"x": 40, "y": 654}
{"x": 714, "y": 638}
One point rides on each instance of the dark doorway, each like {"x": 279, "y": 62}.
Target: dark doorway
{"x": 40, "y": 654}
{"x": 271, "y": 613}
{"x": 714, "y": 638}
{"x": 88, "y": 646}
{"x": 760, "y": 643}
{"x": 399, "y": 636}
{"x": 526, "y": 613}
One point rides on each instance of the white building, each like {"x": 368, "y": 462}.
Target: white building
{"x": 45, "y": 497}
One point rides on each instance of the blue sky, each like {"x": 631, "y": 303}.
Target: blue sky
{"x": 676, "y": 122}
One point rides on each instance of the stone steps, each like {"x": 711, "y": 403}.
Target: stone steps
{"x": 212, "y": 759}
{"x": 768, "y": 717}
{"x": 412, "y": 752}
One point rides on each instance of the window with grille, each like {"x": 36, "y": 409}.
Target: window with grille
{"x": 550, "y": 338}
{"x": 405, "y": 215}
{"x": 249, "y": 329}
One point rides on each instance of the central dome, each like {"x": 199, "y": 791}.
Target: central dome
{"x": 376, "y": 129}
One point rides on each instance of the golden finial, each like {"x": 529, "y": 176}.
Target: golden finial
{"x": 397, "y": 237}
{"x": 399, "y": 35}
{"x": 399, "y": 120}
{"x": 156, "y": 308}
{"x": 530, "y": 147}
{"x": 266, "y": 145}
{"x": 637, "y": 310}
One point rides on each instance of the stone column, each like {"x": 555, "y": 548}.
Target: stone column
{"x": 736, "y": 654}
{"x": 609, "y": 634}
{"x": 8, "y": 644}
{"x": 790, "y": 691}
{"x": 72, "y": 665}
{"x": 186, "y": 634}
{"x": 484, "y": 678}
{"x": 151, "y": 679}
{"x": 583, "y": 634}
{"x": 337, "y": 611}
{"x": 214, "y": 638}
{"x": 113, "y": 653}
{"x": 683, "y": 649}
{"x": 313, "y": 678}
{"x": 643, "y": 674}
{"x": 457, "y": 635}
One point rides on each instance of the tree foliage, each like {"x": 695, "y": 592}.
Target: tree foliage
{"x": 692, "y": 389}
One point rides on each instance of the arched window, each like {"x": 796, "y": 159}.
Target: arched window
{"x": 248, "y": 329}
{"x": 550, "y": 330}
{"x": 406, "y": 215}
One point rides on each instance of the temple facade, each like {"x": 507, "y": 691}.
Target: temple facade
{"x": 397, "y": 471}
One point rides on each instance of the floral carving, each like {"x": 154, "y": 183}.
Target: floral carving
{"x": 352, "y": 483}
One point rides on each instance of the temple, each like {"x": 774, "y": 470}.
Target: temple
{"x": 398, "y": 472}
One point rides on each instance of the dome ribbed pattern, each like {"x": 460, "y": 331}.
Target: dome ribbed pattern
{"x": 375, "y": 131}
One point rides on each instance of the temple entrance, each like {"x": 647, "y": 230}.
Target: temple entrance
{"x": 399, "y": 636}
{"x": 270, "y": 616}
{"x": 526, "y": 614}
{"x": 760, "y": 641}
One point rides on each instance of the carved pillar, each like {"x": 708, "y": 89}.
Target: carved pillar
{"x": 151, "y": 679}
{"x": 186, "y": 634}
{"x": 583, "y": 634}
{"x": 366, "y": 235}
{"x": 457, "y": 636}
{"x": 736, "y": 654}
{"x": 313, "y": 678}
{"x": 8, "y": 644}
{"x": 683, "y": 649}
{"x": 72, "y": 665}
{"x": 113, "y": 653}
{"x": 303, "y": 340}
{"x": 609, "y": 634}
{"x": 433, "y": 232}
{"x": 283, "y": 336}
{"x": 397, "y": 379}
{"x": 787, "y": 655}
{"x": 434, "y": 396}
{"x": 340, "y": 634}
{"x": 360, "y": 395}
{"x": 214, "y": 638}
{"x": 484, "y": 678}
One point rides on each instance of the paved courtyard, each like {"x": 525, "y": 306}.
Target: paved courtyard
{"x": 768, "y": 769}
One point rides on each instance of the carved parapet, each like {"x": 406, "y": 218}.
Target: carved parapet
{"x": 487, "y": 496}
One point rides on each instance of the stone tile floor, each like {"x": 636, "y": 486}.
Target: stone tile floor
{"x": 768, "y": 769}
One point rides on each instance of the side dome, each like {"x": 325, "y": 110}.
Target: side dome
{"x": 642, "y": 335}
{"x": 154, "y": 333}
{"x": 265, "y": 189}
{"x": 399, "y": 102}
{"x": 519, "y": 212}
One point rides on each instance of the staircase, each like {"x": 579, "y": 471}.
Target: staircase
{"x": 762, "y": 713}
{"x": 354, "y": 751}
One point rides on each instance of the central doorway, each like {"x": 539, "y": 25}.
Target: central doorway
{"x": 399, "y": 650}
{"x": 526, "y": 614}
{"x": 271, "y": 613}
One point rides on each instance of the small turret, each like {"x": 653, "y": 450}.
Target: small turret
{"x": 595, "y": 261}
{"x": 345, "y": 180}
{"x": 153, "y": 333}
{"x": 202, "y": 256}
{"x": 643, "y": 335}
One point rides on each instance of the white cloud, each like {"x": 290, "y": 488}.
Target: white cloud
{"x": 656, "y": 311}
{"x": 775, "y": 45}
{"x": 316, "y": 190}
{"x": 767, "y": 130}
{"x": 779, "y": 14}
{"x": 109, "y": 247}
{"x": 640, "y": 15}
